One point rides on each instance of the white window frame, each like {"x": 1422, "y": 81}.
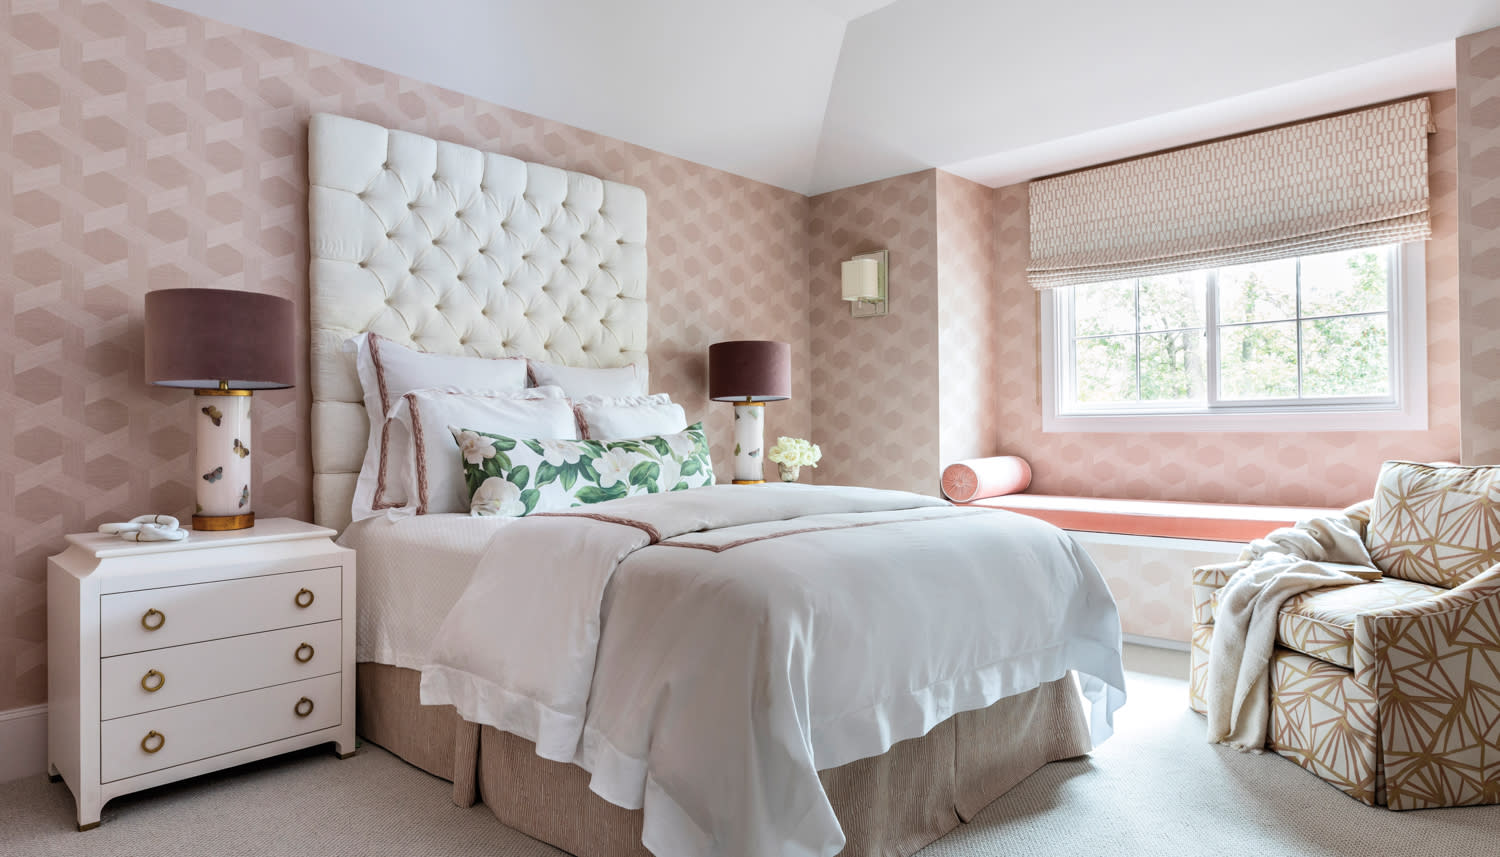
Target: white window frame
{"x": 1404, "y": 410}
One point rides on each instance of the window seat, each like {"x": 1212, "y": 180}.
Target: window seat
{"x": 1220, "y": 522}
{"x": 1145, "y": 549}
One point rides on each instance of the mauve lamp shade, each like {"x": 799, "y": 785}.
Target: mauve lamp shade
{"x": 753, "y": 370}
{"x": 199, "y": 337}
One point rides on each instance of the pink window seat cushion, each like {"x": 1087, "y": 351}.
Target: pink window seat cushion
{"x": 1221, "y": 522}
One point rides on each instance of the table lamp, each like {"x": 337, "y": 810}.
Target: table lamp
{"x": 223, "y": 345}
{"x": 749, "y": 373}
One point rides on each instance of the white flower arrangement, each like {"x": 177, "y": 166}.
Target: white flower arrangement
{"x": 795, "y": 452}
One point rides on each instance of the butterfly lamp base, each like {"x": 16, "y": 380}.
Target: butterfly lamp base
{"x": 749, "y": 441}
{"x": 222, "y": 473}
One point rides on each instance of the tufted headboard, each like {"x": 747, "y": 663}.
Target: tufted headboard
{"x": 457, "y": 251}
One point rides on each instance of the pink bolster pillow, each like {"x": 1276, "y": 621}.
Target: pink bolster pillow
{"x": 978, "y": 478}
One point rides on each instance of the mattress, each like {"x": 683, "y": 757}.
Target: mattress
{"x": 412, "y": 571}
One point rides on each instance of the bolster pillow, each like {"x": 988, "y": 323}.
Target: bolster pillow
{"x": 978, "y": 478}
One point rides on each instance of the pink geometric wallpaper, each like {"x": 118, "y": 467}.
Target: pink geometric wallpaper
{"x": 1294, "y": 469}
{"x": 142, "y": 147}
{"x": 898, "y": 396}
{"x": 875, "y": 380}
{"x": 1479, "y": 242}
{"x": 968, "y": 399}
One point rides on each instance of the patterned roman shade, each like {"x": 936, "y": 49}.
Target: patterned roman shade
{"x": 1348, "y": 181}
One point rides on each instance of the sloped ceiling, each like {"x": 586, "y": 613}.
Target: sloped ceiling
{"x": 814, "y": 95}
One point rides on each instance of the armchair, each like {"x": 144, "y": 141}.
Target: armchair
{"x": 1390, "y": 691}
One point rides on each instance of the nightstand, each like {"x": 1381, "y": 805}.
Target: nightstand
{"x": 166, "y": 660}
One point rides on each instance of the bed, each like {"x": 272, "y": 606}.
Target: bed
{"x": 451, "y": 250}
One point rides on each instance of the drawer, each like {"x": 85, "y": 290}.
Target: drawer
{"x": 215, "y": 726}
{"x": 189, "y": 673}
{"x": 211, "y": 611}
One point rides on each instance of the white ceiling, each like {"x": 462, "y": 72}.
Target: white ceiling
{"x": 814, "y": 95}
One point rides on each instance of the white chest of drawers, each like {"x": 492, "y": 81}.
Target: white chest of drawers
{"x": 171, "y": 659}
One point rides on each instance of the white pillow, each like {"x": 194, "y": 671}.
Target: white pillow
{"x": 433, "y": 473}
{"x": 388, "y": 371}
{"x": 578, "y": 382}
{"x": 601, "y": 418}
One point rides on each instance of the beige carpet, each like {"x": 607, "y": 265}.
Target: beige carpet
{"x": 1154, "y": 789}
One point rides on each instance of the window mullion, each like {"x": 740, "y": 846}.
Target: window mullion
{"x": 1394, "y": 339}
{"x": 1139, "y": 393}
{"x": 1211, "y": 337}
{"x": 1299, "y": 327}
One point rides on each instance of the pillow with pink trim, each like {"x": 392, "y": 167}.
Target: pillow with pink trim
{"x": 431, "y": 473}
{"x": 605, "y": 418}
{"x": 387, "y": 371}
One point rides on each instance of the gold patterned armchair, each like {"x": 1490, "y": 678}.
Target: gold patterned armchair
{"x": 1390, "y": 690}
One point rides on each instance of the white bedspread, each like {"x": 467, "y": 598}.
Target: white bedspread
{"x": 704, "y": 653}
{"x": 412, "y": 571}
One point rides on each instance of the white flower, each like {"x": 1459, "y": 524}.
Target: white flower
{"x": 474, "y": 447}
{"x": 498, "y": 497}
{"x": 559, "y": 452}
{"x": 671, "y": 473}
{"x": 614, "y": 466}
{"x": 681, "y": 444}
{"x": 795, "y": 452}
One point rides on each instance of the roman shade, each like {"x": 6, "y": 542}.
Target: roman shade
{"x": 1354, "y": 180}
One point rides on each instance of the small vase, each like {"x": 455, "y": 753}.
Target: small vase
{"x": 789, "y": 472}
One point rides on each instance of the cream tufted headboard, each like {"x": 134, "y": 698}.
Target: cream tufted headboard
{"x": 456, "y": 251}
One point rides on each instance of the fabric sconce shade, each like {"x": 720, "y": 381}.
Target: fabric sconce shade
{"x": 865, "y": 283}
{"x": 861, "y": 280}
{"x": 749, "y": 370}
{"x": 749, "y": 373}
{"x": 222, "y": 344}
{"x": 198, "y": 338}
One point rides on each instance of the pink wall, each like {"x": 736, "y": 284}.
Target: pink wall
{"x": 967, "y": 344}
{"x": 875, "y": 380}
{"x": 896, "y": 397}
{"x": 1478, "y": 103}
{"x": 143, "y": 147}
{"x": 1298, "y": 469}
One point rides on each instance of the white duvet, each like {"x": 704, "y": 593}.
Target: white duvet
{"x": 705, "y": 653}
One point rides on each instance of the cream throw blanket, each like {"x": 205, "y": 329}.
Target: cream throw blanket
{"x": 1315, "y": 553}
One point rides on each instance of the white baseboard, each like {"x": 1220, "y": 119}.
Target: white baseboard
{"x": 23, "y": 742}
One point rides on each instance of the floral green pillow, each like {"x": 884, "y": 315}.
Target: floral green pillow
{"x": 511, "y": 477}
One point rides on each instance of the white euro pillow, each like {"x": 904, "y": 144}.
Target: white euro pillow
{"x": 579, "y": 382}
{"x": 433, "y": 473}
{"x": 387, "y": 371}
{"x": 614, "y": 417}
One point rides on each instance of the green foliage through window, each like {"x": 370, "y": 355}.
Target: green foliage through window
{"x": 1313, "y": 328}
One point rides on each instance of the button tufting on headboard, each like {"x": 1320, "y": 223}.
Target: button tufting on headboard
{"x": 458, "y": 251}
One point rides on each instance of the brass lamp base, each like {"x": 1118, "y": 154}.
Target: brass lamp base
{"x": 224, "y": 522}
{"x": 749, "y": 481}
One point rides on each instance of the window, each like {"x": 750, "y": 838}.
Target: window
{"x": 1258, "y": 346}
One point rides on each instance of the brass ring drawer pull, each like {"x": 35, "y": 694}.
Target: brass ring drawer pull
{"x": 303, "y": 707}
{"x": 148, "y": 624}
{"x": 304, "y": 598}
{"x": 153, "y": 735}
{"x": 301, "y": 658}
{"x": 152, "y": 687}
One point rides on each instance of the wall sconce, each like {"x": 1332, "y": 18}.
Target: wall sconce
{"x": 865, "y": 281}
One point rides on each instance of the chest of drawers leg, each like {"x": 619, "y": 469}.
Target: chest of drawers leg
{"x": 169, "y": 660}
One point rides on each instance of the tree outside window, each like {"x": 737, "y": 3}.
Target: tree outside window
{"x": 1301, "y": 331}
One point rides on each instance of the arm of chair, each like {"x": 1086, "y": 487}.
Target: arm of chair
{"x": 1359, "y": 516}
{"x": 1433, "y": 669}
{"x": 1208, "y": 579}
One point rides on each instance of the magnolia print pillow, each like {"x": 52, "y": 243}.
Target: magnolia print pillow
{"x": 511, "y": 477}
